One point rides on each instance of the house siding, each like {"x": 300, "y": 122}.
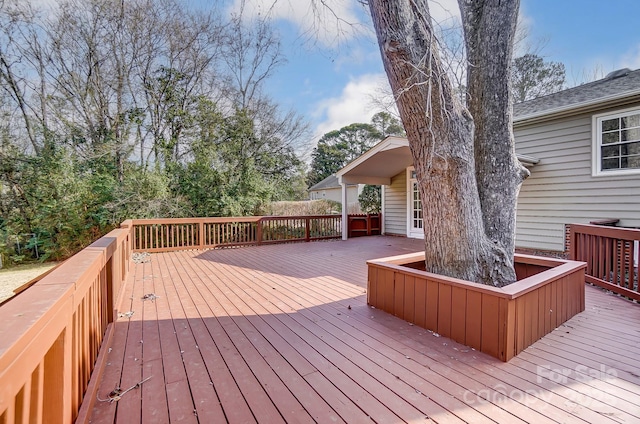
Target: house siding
{"x": 561, "y": 189}
{"x": 335, "y": 194}
{"x": 395, "y": 213}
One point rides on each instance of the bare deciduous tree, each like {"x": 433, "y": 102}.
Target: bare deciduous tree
{"x": 252, "y": 53}
{"x": 19, "y": 48}
{"x": 465, "y": 159}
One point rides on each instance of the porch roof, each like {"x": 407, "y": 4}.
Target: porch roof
{"x": 386, "y": 159}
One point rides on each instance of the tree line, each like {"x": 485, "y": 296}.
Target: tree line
{"x": 144, "y": 108}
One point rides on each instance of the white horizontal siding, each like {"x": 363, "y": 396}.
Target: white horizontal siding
{"x": 561, "y": 189}
{"x": 395, "y": 202}
{"x": 335, "y": 194}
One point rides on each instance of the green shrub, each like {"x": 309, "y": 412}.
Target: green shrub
{"x": 371, "y": 199}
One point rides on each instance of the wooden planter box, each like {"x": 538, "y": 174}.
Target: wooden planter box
{"x": 498, "y": 321}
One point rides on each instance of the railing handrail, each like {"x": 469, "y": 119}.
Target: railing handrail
{"x": 60, "y": 319}
{"x": 170, "y": 234}
{"x": 194, "y": 220}
{"x": 621, "y": 233}
{"x": 611, "y": 255}
{"x": 253, "y": 218}
{"x": 52, "y": 333}
{"x": 282, "y": 217}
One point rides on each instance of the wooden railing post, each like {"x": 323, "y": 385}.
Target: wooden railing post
{"x": 112, "y": 276}
{"x": 259, "y": 231}
{"x": 573, "y": 245}
{"x": 130, "y": 225}
{"x": 307, "y": 231}
{"x": 201, "y": 234}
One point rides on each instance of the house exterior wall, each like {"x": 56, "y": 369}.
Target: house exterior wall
{"x": 395, "y": 203}
{"x": 561, "y": 189}
{"x": 335, "y": 194}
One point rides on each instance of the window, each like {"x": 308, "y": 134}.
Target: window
{"x": 416, "y": 207}
{"x": 617, "y": 143}
{"x": 415, "y": 220}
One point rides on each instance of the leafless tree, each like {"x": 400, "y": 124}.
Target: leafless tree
{"x": 252, "y": 53}
{"x": 114, "y": 64}
{"x": 22, "y": 58}
{"x": 465, "y": 159}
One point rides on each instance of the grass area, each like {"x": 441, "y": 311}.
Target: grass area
{"x": 11, "y": 278}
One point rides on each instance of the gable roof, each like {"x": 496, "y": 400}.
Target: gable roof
{"x": 388, "y": 158}
{"x": 377, "y": 165}
{"x": 614, "y": 88}
{"x": 330, "y": 182}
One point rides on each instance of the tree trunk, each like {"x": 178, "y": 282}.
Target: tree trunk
{"x": 489, "y": 28}
{"x": 440, "y": 133}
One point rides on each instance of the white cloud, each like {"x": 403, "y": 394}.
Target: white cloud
{"x": 332, "y": 22}
{"x": 445, "y": 12}
{"x": 328, "y": 21}
{"x": 46, "y": 5}
{"x": 353, "y": 105}
{"x": 523, "y": 43}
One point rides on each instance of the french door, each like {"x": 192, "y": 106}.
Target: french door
{"x": 415, "y": 227}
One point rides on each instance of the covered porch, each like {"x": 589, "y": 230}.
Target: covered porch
{"x": 390, "y": 165}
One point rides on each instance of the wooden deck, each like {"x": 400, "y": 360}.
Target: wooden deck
{"x": 282, "y": 333}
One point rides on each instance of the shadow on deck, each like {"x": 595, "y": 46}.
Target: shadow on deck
{"x": 282, "y": 333}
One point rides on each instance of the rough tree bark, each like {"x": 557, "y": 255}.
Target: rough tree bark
{"x": 489, "y": 28}
{"x": 440, "y": 131}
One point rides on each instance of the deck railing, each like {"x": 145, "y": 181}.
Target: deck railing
{"x": 51, "y": 333}
{"x": 365, "y": 225}
{"x": 161, "y": 235}
{"x": 611, "y": 254}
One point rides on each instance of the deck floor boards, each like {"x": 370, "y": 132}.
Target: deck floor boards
{"x": 282, "y": 333}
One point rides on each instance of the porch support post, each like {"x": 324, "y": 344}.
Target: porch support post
{"x": 345, "y": 212}
{"x": 382, "y": 207}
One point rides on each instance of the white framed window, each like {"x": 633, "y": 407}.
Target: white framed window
{"x": 616, "y": 143}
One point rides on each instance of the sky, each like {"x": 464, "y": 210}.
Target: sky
{"x": 330, "y": 79}
{"x": 333, "y": 71}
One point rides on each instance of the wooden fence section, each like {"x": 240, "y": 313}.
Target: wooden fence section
{"x": 365, "y": 225}
{"x": 611, "y": 254}
{"x": 51, "y": 333}
{"x": 162, "y": 235}
{"x": 501, "y": 322}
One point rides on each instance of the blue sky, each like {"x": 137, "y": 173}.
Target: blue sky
{"x": 331, "y": 83}
{"x": 587, "y": 35}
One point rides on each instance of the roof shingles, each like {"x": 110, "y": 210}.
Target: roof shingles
{"x": 627, "y": 82}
